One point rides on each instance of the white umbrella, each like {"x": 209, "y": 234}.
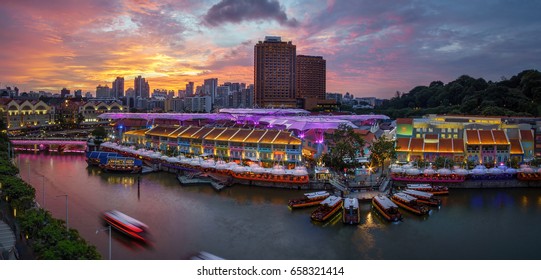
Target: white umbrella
{"x": 444, "y": 171}
{"x": 413, "y": 171}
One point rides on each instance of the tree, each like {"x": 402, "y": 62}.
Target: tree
{"x": 381, "y": 151}
{"x": 443, "y": 162}
{"x": 99, "y": 134}
{"x": 80, "y": 119}
{"x": 343, "y": 143}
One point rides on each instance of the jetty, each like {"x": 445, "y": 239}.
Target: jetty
{"x": 214, "y": 180}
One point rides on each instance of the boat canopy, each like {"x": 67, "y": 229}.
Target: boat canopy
{"x": 405, "y": 197}
{"x": 418, "y": 193}
{"x": 351, "y": 203}
{"x": 331, "y": 200}
{"x": 385, "y": 202}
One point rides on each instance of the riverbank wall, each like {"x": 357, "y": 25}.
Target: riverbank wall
{"x": 483, "y": 184}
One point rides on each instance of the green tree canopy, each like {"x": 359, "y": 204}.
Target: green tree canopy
{"x": 343, "y": 143}
{"x": 381, "y": 151}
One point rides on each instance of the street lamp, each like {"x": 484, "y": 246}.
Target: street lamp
{"x": 43, "y": 191}
{"x": 104, "y": 229}
{"x": 370, "y": 175}
{"x": 67, "y": 228}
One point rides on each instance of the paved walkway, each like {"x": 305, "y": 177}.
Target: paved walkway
{"x": 10, "y": 238}
{"x": 7, "y": 242}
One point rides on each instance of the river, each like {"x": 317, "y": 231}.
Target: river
{"x": 254, "y": 223}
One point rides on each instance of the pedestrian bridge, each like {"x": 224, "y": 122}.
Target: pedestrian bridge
{"x": 57, "y": 144}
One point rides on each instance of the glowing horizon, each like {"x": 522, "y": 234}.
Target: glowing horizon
{"x": 371, "y": 49}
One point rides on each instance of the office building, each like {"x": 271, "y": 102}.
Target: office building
{"x": 117, "y": 90}
{"x": 311, "y": 77}
{"x": 142, "y": 89}
{"x": 274, "y": 73}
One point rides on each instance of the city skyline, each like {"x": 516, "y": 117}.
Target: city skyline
{"x": 371, "y": 49}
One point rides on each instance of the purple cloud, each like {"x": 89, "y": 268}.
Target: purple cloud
{"x": 237, "y": 11}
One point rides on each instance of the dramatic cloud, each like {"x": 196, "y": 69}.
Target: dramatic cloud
{"x": 371, "y": 48}
{"x": 237, "y": 11}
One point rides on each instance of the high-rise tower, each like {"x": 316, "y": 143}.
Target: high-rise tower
{"x": 274, "y": 73}
{"x": 117, "y": 90}
{"x": 142, "y": 90}
{"x": 311, "y": 77}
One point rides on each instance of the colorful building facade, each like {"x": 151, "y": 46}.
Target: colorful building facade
{"x": 263, "y": 145}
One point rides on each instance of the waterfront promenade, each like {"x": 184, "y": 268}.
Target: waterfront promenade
{"x": 12, "y": 244}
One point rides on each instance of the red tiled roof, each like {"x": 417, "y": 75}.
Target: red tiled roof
{"x": 499, "y": 137}
{"x": 516, "y": 147}
{"x": 458, "y": 145}
{"x": 446, "y": 145}
{"x": 472, "y": 137}
{"x": 526, "y": 135}
{"x": 431, "y": 147}
{"x": 404, "y": 121}
{"x": 416, "y": 145}
{"x": 161, "y": 131}
{"x": 486, "y": 137}
{"x": 403, "y": 144}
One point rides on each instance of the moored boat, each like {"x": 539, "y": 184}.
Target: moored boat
{"x": 424, "y": 197}
{"x": 437, "y": 190}
{"x": 409, "y": 203}
{"x": 351, "y": 213}
{"x": 94, "y": 158}
{"x": 387, "y": 208}
{"x": 126, "y": 225}
{"x": 121, "y": 164}
{"x": 327, "y": 208}
{"x": 421, "y": 178}
{"x": 309, "y": 199}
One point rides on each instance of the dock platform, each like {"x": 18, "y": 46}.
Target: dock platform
{"x": 202, "y": 179}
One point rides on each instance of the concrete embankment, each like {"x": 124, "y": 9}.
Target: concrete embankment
{"x": 483, "y": 184}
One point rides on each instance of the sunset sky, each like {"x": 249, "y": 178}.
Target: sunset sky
{"x": 372, "y": 48}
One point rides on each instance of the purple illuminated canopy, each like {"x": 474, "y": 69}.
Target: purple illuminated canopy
{"x": 291, "y": 119}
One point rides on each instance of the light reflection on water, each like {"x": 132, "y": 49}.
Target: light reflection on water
{"x": 243, "y": 222}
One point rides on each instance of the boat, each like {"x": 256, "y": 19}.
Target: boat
{"x": 309, "y": 199}
{"x": 409, "y": 203}
{"x": 523, "y": 176}
{"x": 387, "y": 208}
{"x": 203, "y": 255}
{"x": 351, "y": 213}
{"x": 94, "y": 158}
{"x": 126, "y": 225}
{"x": 121, "y": 164}
{"x": 437, "y": 190}
{"x": 421, "y": 178}
{"x": 424, "y": 197}
{"x": 327, "y": 208}
{"x": 284, "y": 176}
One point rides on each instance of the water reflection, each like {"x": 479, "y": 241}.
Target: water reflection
{"x": 242, "y": 222}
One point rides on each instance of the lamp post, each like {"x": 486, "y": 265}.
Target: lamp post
{"x": 67, "y": 228}
{"x": 42, "y": 191}
{"x": 104, "y": 229}
{"x": 370, "y": 175}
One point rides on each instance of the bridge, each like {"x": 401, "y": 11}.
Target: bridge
{"x": 50, "y": 144}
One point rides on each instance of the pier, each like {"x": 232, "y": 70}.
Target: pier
{"x": 202, "y": 179}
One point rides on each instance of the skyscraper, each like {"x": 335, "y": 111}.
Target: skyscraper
{"x": 274, "y": 73}
{"x": 210, "y": 87}
{"x": 102, "y": 91}
{"x": 117, "y": 90}
{"x": 311, "y": 77}
{"x": 64, "y": 92}
{"x": 142, "y": 90}
{"x": 189, "y": 89}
